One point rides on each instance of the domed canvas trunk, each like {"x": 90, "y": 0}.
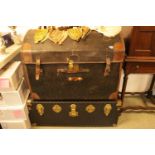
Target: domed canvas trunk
{"x": 83, "y": 73}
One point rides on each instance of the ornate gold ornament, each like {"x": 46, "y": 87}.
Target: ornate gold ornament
{"x": 57, "y": 108}
{"x": 90, "y": 108}
{"x": 40, "y": 109}
{"x": 107, "y": 109}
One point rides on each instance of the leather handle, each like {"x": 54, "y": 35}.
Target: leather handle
{"x": 75, "y": 79}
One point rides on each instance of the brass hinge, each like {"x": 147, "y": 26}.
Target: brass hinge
{"x": 38, "y": 69}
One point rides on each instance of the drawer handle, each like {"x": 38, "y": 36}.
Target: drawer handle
{"x": 57, "y": 108}
{"x": 90, "y": 108}
{"x": 107, "y": 109}
{"x": 40, "y": 109}
{"x": 73, "y": 112}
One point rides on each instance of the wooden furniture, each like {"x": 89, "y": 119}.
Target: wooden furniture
{"x": 150, "y": 91}
{"x": 140, "y": 55}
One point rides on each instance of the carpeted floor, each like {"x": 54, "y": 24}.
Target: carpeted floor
{"x": 140, "y": 120}
{"x": 131, "y": 120}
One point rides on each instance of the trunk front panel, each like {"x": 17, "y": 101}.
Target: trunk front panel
{"x": 57, "y": 86}
{"x": 83, "y": 118}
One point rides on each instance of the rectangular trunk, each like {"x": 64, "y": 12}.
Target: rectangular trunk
{"x": 58, "y": 113}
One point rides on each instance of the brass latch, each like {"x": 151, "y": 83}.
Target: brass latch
{"x": 107, "y": 109}
{"x": 73, "y": 112}
{"x": 38, "y": 69}
{"x": 40, "y": 109}
{"x": 72, "y": 67}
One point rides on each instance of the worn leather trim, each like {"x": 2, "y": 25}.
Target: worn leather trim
{"x": 35, "y": 96}
{"x": 113, "y": 96}
{"x": 119, "y": 51}
{"x": 95, "y": 41}
{"x": 26, "y": 54}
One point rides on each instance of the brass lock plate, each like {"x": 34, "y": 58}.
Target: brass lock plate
{"x": 72, "y": 68}
{"x": 73, "y": 110}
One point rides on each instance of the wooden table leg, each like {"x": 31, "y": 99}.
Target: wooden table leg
{"x": 124, "y": 86}
{"x": 150, "y": 91}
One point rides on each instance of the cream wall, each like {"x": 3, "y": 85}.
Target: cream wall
{"x": 136, "y": 82}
